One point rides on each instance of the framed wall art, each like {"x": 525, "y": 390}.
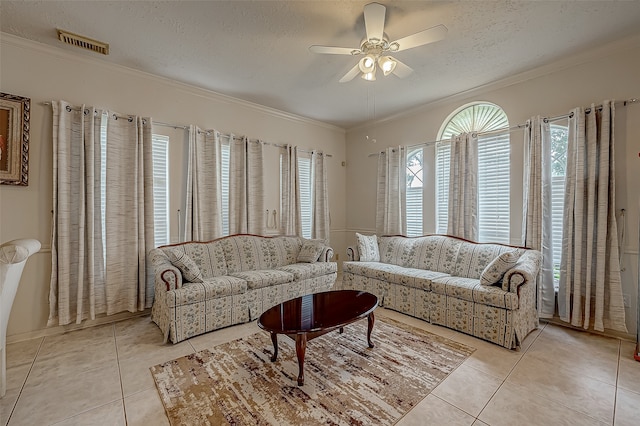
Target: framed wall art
{"x": 14, "y": 139}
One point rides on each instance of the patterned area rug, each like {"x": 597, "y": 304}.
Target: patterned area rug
{"x": 346, "y": 383}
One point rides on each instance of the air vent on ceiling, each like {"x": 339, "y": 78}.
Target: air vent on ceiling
{"x": 84, "y": 42}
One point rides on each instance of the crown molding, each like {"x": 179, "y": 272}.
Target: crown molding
{"x": 559, "y": 65}
{"x": 41, "y": 48}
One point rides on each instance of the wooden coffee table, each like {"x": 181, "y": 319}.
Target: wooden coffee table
{"x": 308, "y": 317}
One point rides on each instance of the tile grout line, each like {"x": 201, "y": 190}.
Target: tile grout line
{"x": 615, "y": 394}
{"x": 549, "y": 399}
{"x": 115, "y": 343}
{"x": 509, "y": 373}
{"x": 24, "y": 383}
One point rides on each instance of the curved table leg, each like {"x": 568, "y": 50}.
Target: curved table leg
{"x": 274, "y": 339}
{"x": 301, "y": 348}
{"x": 370, "y": 321}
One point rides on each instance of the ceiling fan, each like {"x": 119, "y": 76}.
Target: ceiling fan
{"x": 376, "y": 46}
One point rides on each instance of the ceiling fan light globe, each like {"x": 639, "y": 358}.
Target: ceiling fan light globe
{"x": 367, "y": 64}
{"x": 387, "y": 64}
{"x": 369, "y": 76}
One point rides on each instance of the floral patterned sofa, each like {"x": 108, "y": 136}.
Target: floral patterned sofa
{"x": 485, "y": 290}
{"x": 204, "y": 286}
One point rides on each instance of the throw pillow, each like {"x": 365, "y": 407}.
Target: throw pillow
{"x": 496, "y": 269}
{"x": 310, "y": 251}
{"x": 368, "y": 248}
{"x": 189, "y": 268}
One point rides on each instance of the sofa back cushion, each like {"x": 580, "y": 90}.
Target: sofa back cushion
{"x": 254, "y": 253}
{"x": 209, "y": 257}
{"x": 473, "y": 258}
{"x": 434, "y": 252}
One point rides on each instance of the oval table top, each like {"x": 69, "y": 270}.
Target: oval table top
{"x": 317, "y": 312}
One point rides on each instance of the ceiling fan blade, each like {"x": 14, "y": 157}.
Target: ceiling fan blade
{"x": 427, "y": 36}
{"x": 402, "y": 70}
{"x": 353, "y": 72}
{"x": 331, "y": 50}
{"x": 374, "y": 20}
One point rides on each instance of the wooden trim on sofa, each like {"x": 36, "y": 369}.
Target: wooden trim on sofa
{"x": 458, "y": 238}
{"x": 228, "y": 236}
{"x": 166, "y": 282}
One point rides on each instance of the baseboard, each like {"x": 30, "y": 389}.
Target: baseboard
{"x": 607, "y": 333}
{"x": 61, "y": 329}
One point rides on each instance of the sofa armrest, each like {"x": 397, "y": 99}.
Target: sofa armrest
{"x": 326, "y": 255}
{"x": 526, "y": 270}
{"x": 167, "y": 276}
{"x": 352, "y": 253}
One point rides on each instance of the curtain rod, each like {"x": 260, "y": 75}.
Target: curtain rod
{"x": 302, "y": 150}
{"x": 236, "y": 138}
{"x": 187, "y": 128}
{"x": 512, "y": 128}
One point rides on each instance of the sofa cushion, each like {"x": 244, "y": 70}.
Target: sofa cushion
{"x": 471, "y": 290}
{"x": 434, "y": 253}
{"x": 416, "y": 278}
{"x": 254, "y": 253}
{"x": 496, "y": 269}
{"x": 368, "y": 248}
{"x": 303, "y": 271}
{"x": 310, "y": 250}
{"x": 378, "y": 270}
{"x": 190, "y": 270}
{"x": 264, "y": 278}
{"x": 211, "y": 288}
{"x": 209, "y": 257}
{"x": 473, "y": 258}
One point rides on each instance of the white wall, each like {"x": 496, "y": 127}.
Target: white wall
{"x": 606, "y": 73}
{"x": 43, "y": 74}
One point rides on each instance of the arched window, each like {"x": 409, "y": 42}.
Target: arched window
{"x": 493, "y": 168}
{"x": 415, "y": 183}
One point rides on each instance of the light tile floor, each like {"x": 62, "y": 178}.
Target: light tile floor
{"x": 100, "y": 376}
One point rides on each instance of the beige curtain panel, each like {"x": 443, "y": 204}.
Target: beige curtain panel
{"x": 246, "y": 190}
{"x": 392, "y": 192}
{"x": 321, "y": 220}
{"x": 590, "y": 285}
{"x": 463, "y": 187}
{"x": 204, "y": 186}
{"x": 537, "y": 227}
{"x": 291, "y": 216}
{"x": 102, "y": 214}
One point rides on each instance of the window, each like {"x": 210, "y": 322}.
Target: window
{"x": 559, "y": 140}
{"x": 225, "y": 152}
{"x": 305, "y": 183}
{"x": 415, "y": 183}
{"x": 160, "y": 158}
{"x": 493, "y": 169}
{"x": 305, "y": 180}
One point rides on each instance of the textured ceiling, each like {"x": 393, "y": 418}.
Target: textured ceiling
{"x": 258, "y": 50}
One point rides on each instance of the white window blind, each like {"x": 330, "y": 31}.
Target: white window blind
{"x": 304, "y": 172}
{"x": 493, "y": 188}
{"x": 160, "y": 159}
{"x": 559, "y": 140}
{"x": 493, "y": 170}
{"x": 443, "y": 159}
{"x": 103, "y": 177}
{"x": 225, "y": 152}
{"x": 415, "y": 187}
